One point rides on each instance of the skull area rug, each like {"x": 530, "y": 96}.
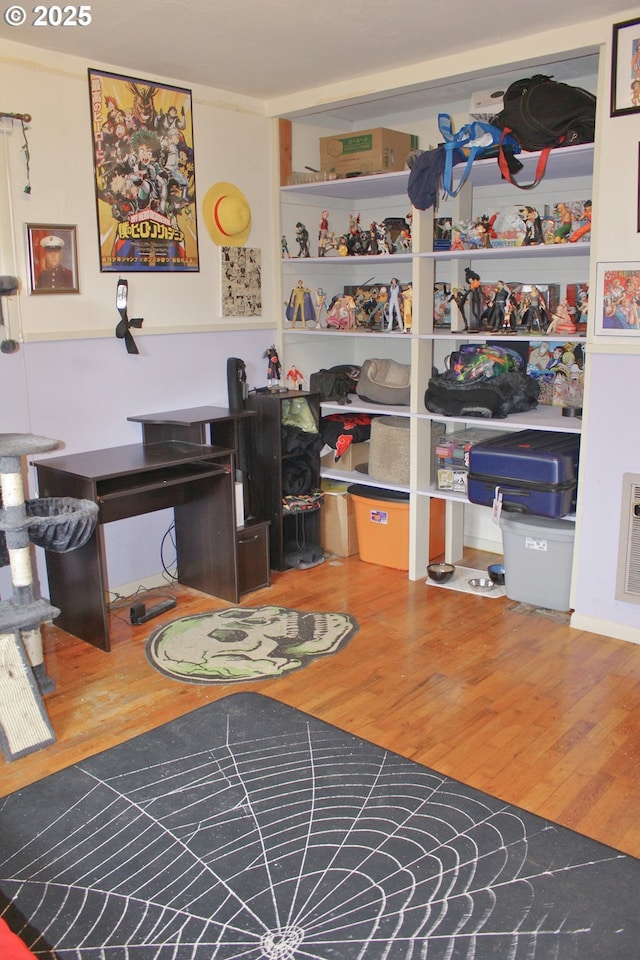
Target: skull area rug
{"x": 246, "y": 643}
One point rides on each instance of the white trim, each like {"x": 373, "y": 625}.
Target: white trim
{"x": 608, "y": 628}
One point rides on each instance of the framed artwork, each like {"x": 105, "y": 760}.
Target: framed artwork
{"x": 625, "y": 68}
{"x": 53, "y": 258}
{"x": 241, "y": 282}
{"x": 617, "y": 308}
{"x": 144, "y": 171}
{"x": 638, "y": 222}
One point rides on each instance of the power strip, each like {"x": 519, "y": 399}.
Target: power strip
{"x": 139, "y": 613}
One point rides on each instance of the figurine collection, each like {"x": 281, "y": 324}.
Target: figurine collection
{"x": 498, "y": 307}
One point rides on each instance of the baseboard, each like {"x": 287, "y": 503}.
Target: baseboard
{"x": 153, "y": 582}
{"x": 487, "y": 546}
{"x": 608, "y": 628}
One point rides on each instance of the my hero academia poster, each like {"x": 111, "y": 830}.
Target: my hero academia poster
{"x": 144, "y": 174}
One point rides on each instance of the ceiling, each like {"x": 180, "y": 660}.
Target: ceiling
{"x": 268, "y": 49}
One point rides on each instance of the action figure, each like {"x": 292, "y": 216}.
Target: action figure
{"x": 300, "y": 306}
{"x": 562, "y": 321}
{"x": 323, "y": 233}
{"x": 302, "y": 237}
{"x": 296, "y": 378}
{"x": 533, "y": 235}
{"x": 475, "y": 299}
{"x": 535, "y": 314}
{"x": 284, "y": 247}
{"x": 585, "y": 224}
{"x": 407, "y": 305}
{"x": 395, "y": 305}
{"x": 496, "y": 315}
{"x": 321, "y": 304}
{"x": 563, "y": 220}
{"x": 274, "y": 368}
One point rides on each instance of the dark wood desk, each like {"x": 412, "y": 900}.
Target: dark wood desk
{"x": 195, "y": 479}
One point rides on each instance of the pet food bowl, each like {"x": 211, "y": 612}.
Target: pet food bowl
{"x": 440, "y": 572}
{"x": 481, "y": 584}
{"x": 496, "y": 573}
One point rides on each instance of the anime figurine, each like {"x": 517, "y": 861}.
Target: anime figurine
{"x": 474, "y": 297}
{"x": 585, "y": 224}
{"x": 300, "y": 306}
{"x": 296, "y": 378}
{"x": 321, "y": 304}
{"x": 533, "y": 235}
{"x": 562, "y": 321}
{"x": 496, "y": 315}
{"x": 302, "y": 238}
{"x": 284, "y": 247}
{"x": 394, "y": 299}
{"x": 274, "y": 367}
{"x": 563, "y": 220}
{"x": 407, "y": 307}
{"x": 380, "y": 307}
{"x": 535, "y": 314}
{"x": 323, "y": 233}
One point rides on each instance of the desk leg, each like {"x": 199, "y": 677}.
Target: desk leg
{"x": 76, "y": 587}
{"x": 206, "y": 538}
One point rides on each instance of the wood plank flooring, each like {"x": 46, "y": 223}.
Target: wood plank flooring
{"x": 509, "y": 701}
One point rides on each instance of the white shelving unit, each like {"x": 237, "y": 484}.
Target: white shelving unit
{"x": 568, "y": 177}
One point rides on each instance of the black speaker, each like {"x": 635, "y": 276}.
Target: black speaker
{"x": 236, "y": 383}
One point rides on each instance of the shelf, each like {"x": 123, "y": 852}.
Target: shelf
{"x": 361, "y": 406}
{"x": 542, "y": 418}
{"x": 547, "y": 250}
{"x": 563, "y": 163}
{"x": 349, "y": 261}
{"x": 484, "y": 335}
{"x": 363, "y": 479}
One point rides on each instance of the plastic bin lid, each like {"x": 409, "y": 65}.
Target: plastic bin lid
{"x": 526, "y": 523}
{"x": 377, "y": 493}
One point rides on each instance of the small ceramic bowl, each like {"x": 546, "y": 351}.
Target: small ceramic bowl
{"x": 496, "y": 573}
{"x": 481, "y": 584}
{"x": 440, "y": 572}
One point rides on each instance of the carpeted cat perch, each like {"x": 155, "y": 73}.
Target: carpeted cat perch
{"x": 59, "y": 524}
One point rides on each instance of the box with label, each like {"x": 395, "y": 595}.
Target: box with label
{"x": 354, "y": 455}
{"x": 366, "y": 151}
{"x": 451, "y": 457}
{"x": 338, "y": 532}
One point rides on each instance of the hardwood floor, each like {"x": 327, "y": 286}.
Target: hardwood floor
{"x": 509, "y": 701}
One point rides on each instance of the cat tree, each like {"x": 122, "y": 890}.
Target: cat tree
{"x": 54, "y": 523}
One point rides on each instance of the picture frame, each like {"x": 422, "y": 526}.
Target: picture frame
{"x": 617, "y": 307}
{"x": 638, "y": 205}
{"x": 625, "y": 68}
{"x": 53, "y": 258}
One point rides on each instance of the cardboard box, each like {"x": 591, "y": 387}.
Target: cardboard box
{"x": 338, "y": 534}
{"x": 366, "y": 151}
{"x": 354, "y": 455}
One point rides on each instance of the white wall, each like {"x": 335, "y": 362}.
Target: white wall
{"x": 71, "y": 379}
{"x": 611, "y": 445}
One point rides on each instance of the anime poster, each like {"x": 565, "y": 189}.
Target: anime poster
{"x": 618, "y": 299}
{"x": 241, "y": 282}
{"x": 144, "y": 175}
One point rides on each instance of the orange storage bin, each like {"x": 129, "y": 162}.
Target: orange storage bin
{"x": 382, "y": 522}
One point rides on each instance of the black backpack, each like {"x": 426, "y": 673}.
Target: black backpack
{"x": 543, "y": 113}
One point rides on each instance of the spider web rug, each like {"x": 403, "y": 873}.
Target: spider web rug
{"x": 248, "y": 829}
{"x": 246, "y": 643}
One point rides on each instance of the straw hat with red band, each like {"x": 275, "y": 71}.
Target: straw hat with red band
{"x": 227, "y": 215}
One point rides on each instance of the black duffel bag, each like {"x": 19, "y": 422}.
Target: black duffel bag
{"x": 486, "y": 398}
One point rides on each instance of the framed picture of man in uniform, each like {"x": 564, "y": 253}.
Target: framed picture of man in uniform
{"x": 53, "y": 258}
